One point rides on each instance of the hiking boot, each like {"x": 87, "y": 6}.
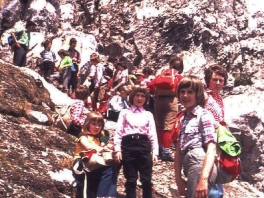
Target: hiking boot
{"x": 167, "y": 158}
{"x": 160, "y": 152}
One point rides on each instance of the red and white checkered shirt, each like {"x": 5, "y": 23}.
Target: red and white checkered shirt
{"x": 78, "y": 113}
{"x": 192, "y": 128}
{"x": 215, "y": 105}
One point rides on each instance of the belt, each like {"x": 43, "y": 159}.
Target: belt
{"x": 135, "y": 137}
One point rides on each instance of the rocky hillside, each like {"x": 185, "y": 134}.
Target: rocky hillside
{"x": 142, "y": 33}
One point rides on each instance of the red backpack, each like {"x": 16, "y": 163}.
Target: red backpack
{"x": 167, "y": 82}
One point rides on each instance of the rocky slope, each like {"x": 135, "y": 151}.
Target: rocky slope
{"x": 142, "y": 33}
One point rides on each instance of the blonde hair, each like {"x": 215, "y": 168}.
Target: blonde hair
{"x": 195, "y": 84}
{"x": 93, "y": 116}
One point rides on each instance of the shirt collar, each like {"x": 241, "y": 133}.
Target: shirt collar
{"x": 136, "y": 109}
{"x": 195, "y": 111}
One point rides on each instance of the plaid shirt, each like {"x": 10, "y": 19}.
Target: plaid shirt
{"x": 191, "y": 129}
{"x": 78, "y": 113}
{"x": 215, "y": 105}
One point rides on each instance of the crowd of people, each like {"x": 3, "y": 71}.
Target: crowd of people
{"x": 145, "y": 112}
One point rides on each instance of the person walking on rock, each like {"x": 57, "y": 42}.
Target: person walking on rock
{"x": 166, "y": 106}
{"x": 76, "y": 59}
{"x": 21, "y": 43}
{"x": 49, "y": 59}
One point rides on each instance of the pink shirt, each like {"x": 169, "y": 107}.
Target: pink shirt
{"x": 136, "y": 121}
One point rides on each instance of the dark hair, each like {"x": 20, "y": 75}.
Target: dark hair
{"x": 217, "y": 69}
{"x": 73, "y": 40}
{"x": 30, "y": 23}
{"x": 95, "y": 57}
{"x": 121, "y": 64}
{"x": 148, "y": 71}
{"x": 195, "y": 84}
{"x": 93, "y": 116}
{"x": 82, "y": 92}
{"x": 63, "y": 52}
{"x": 45, "y": 44}
{"x": 141, "y": 90}
{"x": 176, "y": 63}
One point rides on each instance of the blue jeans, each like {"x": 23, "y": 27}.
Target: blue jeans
{"x": 100, "y": 182}
{"x": 216, "y": 191}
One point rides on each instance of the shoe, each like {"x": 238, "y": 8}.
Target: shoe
{"x": 167, "y": 158}
{"x": 160, "y": 152}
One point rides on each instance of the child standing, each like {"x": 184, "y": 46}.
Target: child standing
{"x": 49, "y": 59}
{"x": 196, "y": 145}
{"x": 64, "y": 69}
{"x": 137, "y": 138}
{"x": 100, "y": 182}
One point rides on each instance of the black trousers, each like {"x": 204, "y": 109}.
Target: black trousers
{"x": 20, "y": 56}
{"x": 48, "y": 69}
{"x": 137, "y": 157}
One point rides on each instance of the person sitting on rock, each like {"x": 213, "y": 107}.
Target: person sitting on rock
{"x": 117, "y": 103}
{"x": 49, "y": 59}
{"x": 64, "y": 69}
{"x": 78, "y": 110}
{"x": 102, "y": 181}
{"x": 122, "y": 77}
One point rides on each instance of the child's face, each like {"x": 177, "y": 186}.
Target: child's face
{"x": 139, "y": 99}
{"x": 95, "y": 127}
{"x": 188, "y": 98}
{"x": 49, "y": 46}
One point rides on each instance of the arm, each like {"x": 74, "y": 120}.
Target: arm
{"x": 153, "y": 139}
{"x": 119, "y": 134}
{"x": 202, "y": 187}
{"x": 181, "y": 183}
{"x": 15, "y": 39}
{"x": 98, "y": 76}
{"x": 84, "y": 141}
{"x": 123, "y": 81}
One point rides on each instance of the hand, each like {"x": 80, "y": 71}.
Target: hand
{"x": 112, "y": 91}
{"x": 182, "y": 185}
{"x": 202, "y": 189}
{"x": 154, "y": 159}
{"x": 118, "y": 156}
{"x": 17, "y": 44}
{"x": 74, "y": 60}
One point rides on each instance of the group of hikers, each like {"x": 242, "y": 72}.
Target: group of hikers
{"x": 145, "y": 107}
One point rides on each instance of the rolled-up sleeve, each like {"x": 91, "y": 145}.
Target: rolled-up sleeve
{"x": 208, "y": 129}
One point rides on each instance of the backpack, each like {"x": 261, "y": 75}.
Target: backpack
{"x": 176, "y": 128}
{"x": 228, "y": 151}
{"x": 10, "y": 39}
{"x": 62, "y": 118}
{"x": 167, "y": 82}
